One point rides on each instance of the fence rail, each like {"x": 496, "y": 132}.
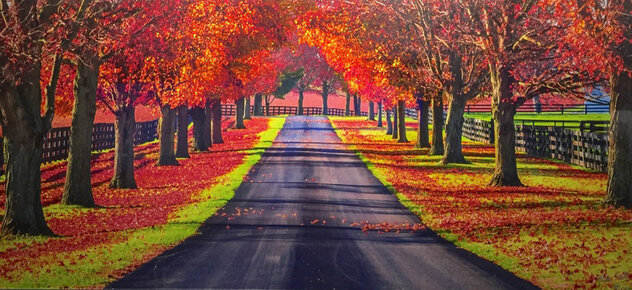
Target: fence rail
{"x": 585, "y": 144}
{"x": 562, "y": 109}
{"x": 57, "y": 142}
{"x": 229, "y": 110}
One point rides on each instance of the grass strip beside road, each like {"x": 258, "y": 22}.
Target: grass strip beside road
{"x": 99, "y": 245}
{"x": 555, "y": 232}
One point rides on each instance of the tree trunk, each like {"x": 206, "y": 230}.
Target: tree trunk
{"x": 401, "y": 114}
{"x": 23, "y": 137}
{"x": 78, "y": 186}
{"x": 182, "y": 144}
{"x": 379, "y": 115}
{"x": 503, "y": 111}
{"x": 358, "y": 106}
{"x": 325, "y": 96}
{"x": 258, "y": 109}
{"x": 371, "y": 111}
{"x": 267, "y": 106}
{"x": 208, "y": 123}
{"x": 124, "y": 127}
{"x": 199, "y": 143}
{"x": 389, "y": 124}
{"x": 247, "y": 109}
{"x": 619, "y": 192}
{"x": 437, "y": 126}
{"x": 166, "y": 135}
{"x": 423, "y": 114}
{"x": 300, "y": 102}
{"x": 217, "y": 122}
{"x": 239, "y": 114}
{"x": 395, "y": 123}
{"x": 347, "y": 104}
{"x": 453, "y": 152}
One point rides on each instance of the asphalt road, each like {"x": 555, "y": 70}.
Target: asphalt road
{"x": 290, "y": 226}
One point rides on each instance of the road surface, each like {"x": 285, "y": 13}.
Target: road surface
{"x": 290, "y": 226}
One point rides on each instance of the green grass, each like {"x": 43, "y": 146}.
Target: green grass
{"x": 546, "y": 118}
{"x": 519, "y": 252}
{"x": 95, "y": 266}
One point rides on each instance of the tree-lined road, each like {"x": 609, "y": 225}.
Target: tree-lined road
{"x": 289, "y": 226}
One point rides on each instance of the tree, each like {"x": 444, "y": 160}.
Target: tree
{"x": 32, "y": 33}
{"x": 522, "y": 64}
{"x": 599, "y": 43}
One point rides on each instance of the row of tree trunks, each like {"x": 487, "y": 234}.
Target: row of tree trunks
{"x": 379, "y": 115}
{"x": 423, "y": 114}
{"x": 437, "y": 126}
{"x": 78, "y": 185}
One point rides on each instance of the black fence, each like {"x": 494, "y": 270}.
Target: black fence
{"x": 229, "y": 110}
{"x": 57, "y": 141}
{"x": 583, "y": 143}
{"x": 545, "y": 108}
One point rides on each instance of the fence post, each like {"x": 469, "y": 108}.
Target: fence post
{"x": 585, "y": 109}
{"x": 492, "y": 138}
{"x": 562, "y": 109}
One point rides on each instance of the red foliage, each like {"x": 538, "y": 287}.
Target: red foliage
{"x": 551, "y": 225}
{"x": 161, "y": 191}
